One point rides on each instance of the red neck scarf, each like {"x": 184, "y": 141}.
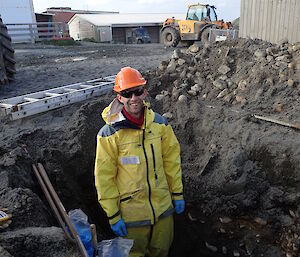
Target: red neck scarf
{"x": 137, "y": 121}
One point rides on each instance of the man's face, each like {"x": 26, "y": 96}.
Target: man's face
{"x": 133, "y": 100}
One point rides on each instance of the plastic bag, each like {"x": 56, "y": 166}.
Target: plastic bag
{"x": 117, "y": 247}
{"x": 80, "y": 221}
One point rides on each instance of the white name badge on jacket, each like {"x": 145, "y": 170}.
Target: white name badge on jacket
{"x": 130, "y": 160}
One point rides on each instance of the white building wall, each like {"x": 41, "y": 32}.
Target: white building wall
{"x": 17, "y": 11}
{"x": 81, "y": 29}
{"x": 270, "y": 20}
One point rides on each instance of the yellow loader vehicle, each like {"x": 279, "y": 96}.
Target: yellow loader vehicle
{"x": 7, "y": 61}
{"x": 196, "y": 27}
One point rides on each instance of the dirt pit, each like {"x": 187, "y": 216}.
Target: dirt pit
{"x": 241, "y": 176}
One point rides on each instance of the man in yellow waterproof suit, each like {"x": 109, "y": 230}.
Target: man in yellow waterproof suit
{"x": 138, "y": 170}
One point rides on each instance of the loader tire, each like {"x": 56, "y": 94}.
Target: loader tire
{"x": 170, "y": 37}
{"x": 7, "y": 59}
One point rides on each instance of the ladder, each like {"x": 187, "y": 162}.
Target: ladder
{"x": 38, "y": 102}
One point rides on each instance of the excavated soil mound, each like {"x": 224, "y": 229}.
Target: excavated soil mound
{"x": 241, "y": 175}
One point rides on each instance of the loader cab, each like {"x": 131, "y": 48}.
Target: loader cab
{"x": 201, "y": 13}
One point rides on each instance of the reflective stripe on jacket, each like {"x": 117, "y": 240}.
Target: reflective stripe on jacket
{"x": 137, "y": 170}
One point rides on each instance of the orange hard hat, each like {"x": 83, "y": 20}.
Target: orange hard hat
{"x": 128, "y": 78}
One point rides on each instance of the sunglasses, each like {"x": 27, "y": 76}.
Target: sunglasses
{"x": 129, "y": 93}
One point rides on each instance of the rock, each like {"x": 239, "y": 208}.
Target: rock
{"x": 199, "y": 80}
{"x": 242, "y": 85}
{"x": 283, "y": 58}
{"x": 236, "y": 253}
{"x": 211, "y": 247}
{"x": 159, "y": 97}
{"x": 220, "y": 84}
{"x": 223, "y": 93}
{"x": 260, "y": 53}
{"x": 258, "y": 94}
{"x": 204, "y": 96}
{"x": 194, "y": 48}
{"x": 209, "y": 76}
{"x": 269, "y": 51}
{"x": 192, "y": 92}
{"x": 295, "y": 48}
{"x": 171, "y": 66}
{"x": 189, "y": 75}
{"x": 181, "y": 62}
{"x": 175, "y": 93}
{"x": 222, "y": 230}
{"x": 228, "y": 98}
{"x": 260, "y": 221}
{"x": 196, "y": 88}
{"x": 168, "y": 115}
{"x": 183, "y": 74}
{"x": 270, "y": 81}
{"x": 182, "y": 98}
{"x": 162, "y": 67}
{"x": 176, "y": 54}
{"x": 270, "y": 58}
{"x": 278, "y": 107}
{"x": 290, "y": 82}
{"x": 192, "y": 69}
{"x": 224, "y": 250}
{"x": 4, "y": 253}
{"x": 286, "y": 221}
{"x": 223, "y": 77}
{"x": 240, "y": 99}
{"x": 225, "y": 220}
{"x": 224, "y": 69}
{"x": 283, "y": 41}
{"x": 292, "y": 213}
{"x": 183, "y": 85}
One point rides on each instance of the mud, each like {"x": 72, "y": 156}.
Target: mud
{"x": 241, "y": 176}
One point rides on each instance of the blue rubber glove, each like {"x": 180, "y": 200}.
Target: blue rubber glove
{"x": 119, "y": 228}
{"x": 179, "y": 206}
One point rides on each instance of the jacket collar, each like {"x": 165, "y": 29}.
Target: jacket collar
{"x": 112, "y": 114}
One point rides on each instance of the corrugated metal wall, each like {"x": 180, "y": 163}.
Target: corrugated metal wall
{"x": 270, "y": 20}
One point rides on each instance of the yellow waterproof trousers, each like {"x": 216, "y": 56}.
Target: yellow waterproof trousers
{"x": 152, "y": 241}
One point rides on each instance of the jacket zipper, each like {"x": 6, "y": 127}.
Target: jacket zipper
{"x": 154, "y": 166}
{"x": 147, "y": 167}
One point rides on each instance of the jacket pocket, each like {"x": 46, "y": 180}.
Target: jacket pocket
{"x": 154, "y": 165}
{"x": 125, "y": 199}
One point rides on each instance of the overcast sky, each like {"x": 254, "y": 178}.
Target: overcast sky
{"x": 226, "y": 9}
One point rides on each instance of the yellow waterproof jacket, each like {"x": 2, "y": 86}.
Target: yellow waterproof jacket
{"x": 137, "y": 170}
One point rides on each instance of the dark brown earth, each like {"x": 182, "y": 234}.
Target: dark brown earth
{"x": 241, "y": 176}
